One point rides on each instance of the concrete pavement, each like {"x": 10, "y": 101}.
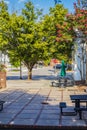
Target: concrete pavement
{"x": 36, "y": 103}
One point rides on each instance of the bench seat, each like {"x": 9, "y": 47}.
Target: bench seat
{"x": 64, "y": 105}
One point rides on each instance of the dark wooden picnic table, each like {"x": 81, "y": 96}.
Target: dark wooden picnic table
{"x": 77, "y": 99}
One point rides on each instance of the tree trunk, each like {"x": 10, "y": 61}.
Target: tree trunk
{"x": 20, "y": 70}
{"x": 29, "y": 74}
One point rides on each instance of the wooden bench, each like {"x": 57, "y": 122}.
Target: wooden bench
{"x": 63, "y": 105}
{"x": 1, "y": 105}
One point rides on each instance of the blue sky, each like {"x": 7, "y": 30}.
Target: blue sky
{"x": 45, "y": 4}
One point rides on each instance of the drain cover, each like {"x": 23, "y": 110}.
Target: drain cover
{"x": 44, "y": 102}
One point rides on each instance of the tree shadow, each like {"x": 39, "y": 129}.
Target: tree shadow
{"x": 34, "y": 77}
{"x": 32, "y": 109}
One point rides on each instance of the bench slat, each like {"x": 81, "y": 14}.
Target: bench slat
{"x": 62, "y": 104}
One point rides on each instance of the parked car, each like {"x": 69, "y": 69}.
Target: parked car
{"x": 58, "y": 66}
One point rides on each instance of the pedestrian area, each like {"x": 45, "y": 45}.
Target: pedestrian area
{"x": 36, "y": 103}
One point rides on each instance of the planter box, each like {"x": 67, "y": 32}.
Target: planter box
{"x": 2, "y": 79}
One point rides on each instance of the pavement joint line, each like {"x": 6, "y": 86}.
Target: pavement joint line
{"x": 23, "y": 107}
{"x": 7, "y": 94}
{"x": 14, "y": 100}
{"x": 61, "y": 95}
{"x": 42, "y": 108}
{"x": 60, "y": 119}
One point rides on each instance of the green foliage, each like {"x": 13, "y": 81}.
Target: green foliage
{"x": 28, "y": 39}
{"x": 78, "y": 20}
{"x": 14, "y": 58}
{"x": 57, "y": 33}
{"x": 4, "y": 17}
{"x": 25, "y": 38}
{"x": 2, "y": 68}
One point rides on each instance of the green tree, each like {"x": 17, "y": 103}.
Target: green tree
{"x": 25, "y": 38}
{"x": 78, "y": 22}
{"x": 56, "y": 34}
{"x": 4, "y": 17}
{"x": 30, "y": 39}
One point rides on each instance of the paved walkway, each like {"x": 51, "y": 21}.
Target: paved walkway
{"x": 37, "y": 103}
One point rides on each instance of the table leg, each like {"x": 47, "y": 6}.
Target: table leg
{"x": 80, "y": 114}
{"x": 77, "y": 103}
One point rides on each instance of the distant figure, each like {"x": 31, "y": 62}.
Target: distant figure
{"x": 63, "y": 70}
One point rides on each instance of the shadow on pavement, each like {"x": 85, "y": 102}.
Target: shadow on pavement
{"x": 36, "y": 77}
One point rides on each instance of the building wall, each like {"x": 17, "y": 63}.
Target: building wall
{"x": 79, "y": 63}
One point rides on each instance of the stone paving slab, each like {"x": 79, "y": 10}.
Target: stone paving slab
{"x": 73, "y": 122}
{"x": 36, "y": 103}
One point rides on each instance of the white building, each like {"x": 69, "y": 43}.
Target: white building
{"x": 79, "y": 58}
{"x": 4, "y": 58}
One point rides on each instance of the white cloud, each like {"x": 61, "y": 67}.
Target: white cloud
{"x": 37, "y": 5}
{"x": 7, "y": 2}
